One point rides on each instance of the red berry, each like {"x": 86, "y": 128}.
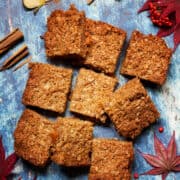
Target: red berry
{"x": 169, "y": 23}
{"x": 154, "y": 7}
{"x": 161, "y": 129}
{"x": 152, "y": 18}
{"x": 158, "y": 14}
{"x": 151, "y": 5}
{"x": 159, "y": 23}
{"x": 166, "y": 23}
{"x": 136, "y": 175}
{"x": 166, "y": 18}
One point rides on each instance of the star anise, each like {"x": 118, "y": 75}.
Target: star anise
{"x": 166, "y": 9}
{"x": 165, "y": 160}
{"x": 6, "y": 164}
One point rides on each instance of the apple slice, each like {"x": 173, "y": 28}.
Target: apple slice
{"x": 31, "y": 4}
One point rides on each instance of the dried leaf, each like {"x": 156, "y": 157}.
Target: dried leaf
{"x": 164, "y": 175}
{"x": 6, "y": 165}
{"x": 168, "y": 10}
{"x": 164, "y": 2}
{"x": 165, "y": 159}
{"x": 171, "y": 149}
{"x": 165, "y": 31}
{"x": 159, "y": 148}
{"x": 155, "y": 171}
{"x": 2, "y": 151}
{"x": 153, "y": 160}
{"x": 176, "y": 162}
{"x": 145, "y": 7}
{"x": 176, "y": 169}
{"x": 3, "y": 178}
{"x": 177, "y": 12}
{"x": 9, "y": 163}
{"x": 176, "y": 36}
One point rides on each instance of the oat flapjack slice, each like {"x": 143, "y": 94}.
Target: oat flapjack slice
{"x": 147, "y": 57}
{"x": 106, "y": 42}
{"x": 111, "y": 159}
{"x": 74, "y": 142}
{"x": 33, "y": 137}
{"x": 65, "y": 36}
{"x": 91, "y": 92}
{"x": 131, "y": 109}
{"x": 47, "y": 87}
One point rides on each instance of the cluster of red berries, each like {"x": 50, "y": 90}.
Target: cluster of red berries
{"x": 155, "y": 15}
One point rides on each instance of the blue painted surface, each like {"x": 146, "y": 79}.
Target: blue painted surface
{"x": 119, "y": 13}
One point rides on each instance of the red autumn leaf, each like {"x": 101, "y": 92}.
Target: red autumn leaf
{"x": 177, "y": 169}
{"x": 164, "y": 175}
{"x": 145, "y": 7}
{"x": 165, "y": 31}
{"x": 9, "y": 163}
{"x": 164, "y": 2}
{"x": 156, "y": 162}
{"x": 2, "y": 151}
{"x": 155, "y": 171}
{"x": 176, "y": 36}
{"x": 165, "y": 160}
{"x": 176, "y": 161}
{"x": 172, "y": 149}
{"x": 159, "y": 149}
{"x": 178, "y": 12}
{"x": 166, "y": 8}
{"x": 6, "y": 164}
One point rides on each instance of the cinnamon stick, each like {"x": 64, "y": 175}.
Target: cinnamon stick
{"x": 15, "y": 58}
{"x": 10, "y": 40}
{"x": 89, "y": 2}
{"x": 23, "y": 63}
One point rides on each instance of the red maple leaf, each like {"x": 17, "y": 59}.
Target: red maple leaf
{"x": 6, "y": 164}
{"x": 165, "y": 160}
{"x": 170, "y": 9}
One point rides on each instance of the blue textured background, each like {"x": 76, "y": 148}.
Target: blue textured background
{"x": 122, "y": 14}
